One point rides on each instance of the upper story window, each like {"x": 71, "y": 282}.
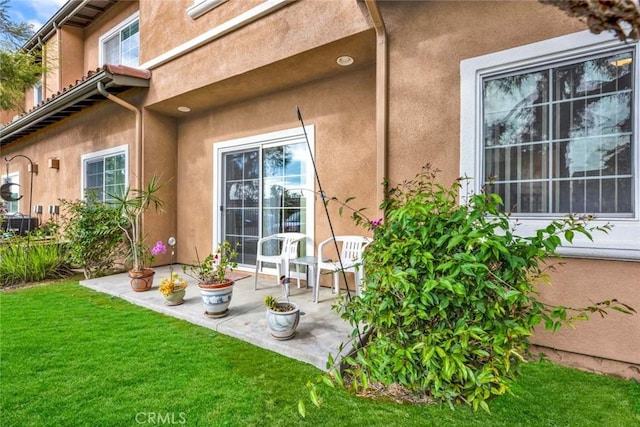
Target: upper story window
{"x": 13, "y": 206}
{"x": 105, "y": 172}
{"x": 552, "y": 127}
{"x": 121, "y": 45}
{"x": 37, "y": 93}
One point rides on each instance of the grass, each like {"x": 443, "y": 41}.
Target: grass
{"x": 74, "y": 357}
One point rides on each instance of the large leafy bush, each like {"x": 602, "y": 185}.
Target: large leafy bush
{"x": 450, "y": 294}
{"x": 93, "y": 231}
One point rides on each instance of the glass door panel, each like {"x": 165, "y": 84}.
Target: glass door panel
{"x": 242, "y": 203}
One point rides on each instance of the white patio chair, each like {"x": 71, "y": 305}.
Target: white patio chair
{"x": 278, "y": 249}
{"x": 351, "y": 249}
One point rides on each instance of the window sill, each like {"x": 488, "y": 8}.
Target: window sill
{"x": 621, "y": 243}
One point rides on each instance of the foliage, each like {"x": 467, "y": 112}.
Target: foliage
{"x": 23, "y": 260}
{"x": 169, "y": 285}
{"x": 132, "y": 204}
{"x": 93, "y": 230}
{"x": 213, "y": 268}
{"x": 51, "y": 380}
{"x": 619, "y": 16}
{"x": 18, "y": 70}
{"x": 281, "y": 307}
{"x": 449, "y": 299}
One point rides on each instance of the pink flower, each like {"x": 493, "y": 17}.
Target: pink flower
{"x": 159, "y": 248}
{"x": 375, "y": 223}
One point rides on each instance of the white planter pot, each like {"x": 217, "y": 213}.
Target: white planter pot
{"x": 283, "y": 324}
{"x": 216, "y": 298}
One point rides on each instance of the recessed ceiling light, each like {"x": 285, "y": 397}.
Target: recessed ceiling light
{"x": 345, "y": 61}
{"x": 184, "y": 109}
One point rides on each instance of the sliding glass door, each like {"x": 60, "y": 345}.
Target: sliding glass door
{"x": 266, "y": 188}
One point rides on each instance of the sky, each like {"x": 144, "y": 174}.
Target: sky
{"x": 35, "y": 12}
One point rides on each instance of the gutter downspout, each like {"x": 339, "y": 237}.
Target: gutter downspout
{"x": 138, "y": 140}
{"x": 382, "y": 100}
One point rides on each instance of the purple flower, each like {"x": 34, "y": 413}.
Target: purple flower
{"x": 159, "y": 248}
{"x": 375, "y": 223}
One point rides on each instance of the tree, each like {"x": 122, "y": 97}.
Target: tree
{"x": 620, "y": 16}
{"x": 19, "y": 70}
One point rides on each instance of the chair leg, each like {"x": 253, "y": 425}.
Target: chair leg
{"x": 336, "y": 282}
{"x": 358, "y": 280}
{"x": 255, "y": 283}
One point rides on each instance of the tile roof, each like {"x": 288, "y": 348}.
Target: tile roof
{"x": 73, "y": 98}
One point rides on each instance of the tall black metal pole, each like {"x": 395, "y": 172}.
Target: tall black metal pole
{"x": 324, "y": 203}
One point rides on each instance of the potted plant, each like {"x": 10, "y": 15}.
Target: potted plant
{"x": 216, "y": 289}
{"x": 282, "y": 318}
{"x": 132, "y": 204}
{"x": 173, "y": 289}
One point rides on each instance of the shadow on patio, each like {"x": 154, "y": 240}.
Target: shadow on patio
{"x": 319, "y": 333}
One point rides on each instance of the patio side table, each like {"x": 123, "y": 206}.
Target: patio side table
{"x": 310, "y": 262}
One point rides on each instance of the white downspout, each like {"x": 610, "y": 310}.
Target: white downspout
{"x": 382, "y": 99}
{"x": 138, "y": 138}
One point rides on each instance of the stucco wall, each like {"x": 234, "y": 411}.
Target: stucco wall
{"x": 114, "y": 16}
{"x": 342, "y": 109}
{"x": 282, "y": 34}
{"x": 68, "y": 141}
{"x": 71, "y": 56}
{"x": 427, "y": 41}
{"x": 580, "y": 283}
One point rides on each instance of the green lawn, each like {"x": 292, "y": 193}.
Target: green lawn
{"x": 74, "y": 357}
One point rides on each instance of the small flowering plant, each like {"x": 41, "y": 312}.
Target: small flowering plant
{"x": 147, "y": 256}
{"x": 213, "y": 269}
{"x": 169, "y": 285}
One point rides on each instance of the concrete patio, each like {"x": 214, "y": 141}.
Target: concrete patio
{"x": 320, "y": 332}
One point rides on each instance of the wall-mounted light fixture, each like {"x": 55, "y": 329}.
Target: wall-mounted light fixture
{"x": 32, "y": 168}
{"x": 54, "y": 163}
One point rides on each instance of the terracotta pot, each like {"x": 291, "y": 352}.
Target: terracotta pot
{"x": 216, "y": 298}
{"x": 283, "y": 324}
{"x": 141, "y": 280}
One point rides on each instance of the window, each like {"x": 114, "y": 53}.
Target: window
{"x": 37, "y": 93}
{"x": 105, "y": 173}
{"x": 265, "y": 186}
{"x": 558, "y": 139}
{"x": 14, "y": 206}
{"x": 121, "y": 45}
{"x": 552, "y": 128}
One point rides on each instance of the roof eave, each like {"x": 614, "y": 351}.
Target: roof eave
{"x": 71, "y": 97}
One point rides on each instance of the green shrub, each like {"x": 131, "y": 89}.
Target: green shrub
{"x": 449, "y": 299}
{"x": 23, "y": 261}
{"x": 93, "y": 231}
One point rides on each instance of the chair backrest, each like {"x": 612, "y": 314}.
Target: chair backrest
{"x": 290, "y": 244}
{"x": 352, "y": 247}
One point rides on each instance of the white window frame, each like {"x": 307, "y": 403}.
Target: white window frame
{"x": 264, "y": 140}
{"x": 14, "y": 178}
{"x": 106, "y": 36}
{"x": 623, "y": 241}
{"x": 122, "y": 149}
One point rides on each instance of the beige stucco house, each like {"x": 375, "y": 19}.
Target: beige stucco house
{"x": 204, "y": 93}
